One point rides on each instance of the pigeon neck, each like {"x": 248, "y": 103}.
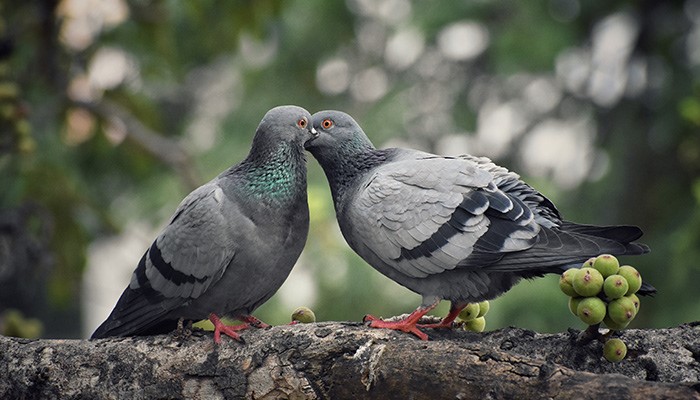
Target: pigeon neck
{"x": 275, "y": 173}
{"x": 346, "y": 172}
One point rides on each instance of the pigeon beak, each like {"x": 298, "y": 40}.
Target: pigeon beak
{"x": 314, "y": 135}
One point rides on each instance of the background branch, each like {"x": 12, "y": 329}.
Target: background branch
{"x": 167, "y": 151}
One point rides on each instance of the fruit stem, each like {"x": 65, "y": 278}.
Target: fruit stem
{"x": 590, "y": 334}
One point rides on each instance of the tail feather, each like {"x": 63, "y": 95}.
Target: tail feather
{"x": 623, "y": 234}
{"x": 569, "y": 246}
{"x": 135, "y": 315}
{"x": 619, "y": 233}
{"x": 647, "y": 290}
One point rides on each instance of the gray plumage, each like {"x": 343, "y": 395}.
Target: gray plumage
{"x": 455, "y": 228}
{"x": 231, "y": 243}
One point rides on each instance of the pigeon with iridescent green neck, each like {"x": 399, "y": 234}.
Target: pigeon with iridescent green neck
{"x": 449, "y": 228}
{"x": 230, "y": 244}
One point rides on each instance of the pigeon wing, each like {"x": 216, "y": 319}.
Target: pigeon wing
{"x": 190, "y": 254}
{"x": 546, "y": 214}
{"x": 430, "y": 214}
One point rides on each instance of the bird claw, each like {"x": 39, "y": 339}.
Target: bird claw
{"x": 228, "y": 330}
{"x": 444, "y": 323}
{"x": 368, "y": 318}
{"x": 254, "y": 322}
{"x": 438, "y": 325}
{"x": 401, "y": 325}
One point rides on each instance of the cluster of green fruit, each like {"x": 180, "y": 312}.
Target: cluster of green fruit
{"x": 603, "y": 291}
{"x": 471, "y": 318}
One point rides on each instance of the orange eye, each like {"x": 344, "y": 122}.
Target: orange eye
{"x": 302, "y": 123}
{"x": 327, "y": 123}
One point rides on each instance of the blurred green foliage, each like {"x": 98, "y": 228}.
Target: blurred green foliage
{"x": 13, "y": 323}
{"x": 201, "y": 74}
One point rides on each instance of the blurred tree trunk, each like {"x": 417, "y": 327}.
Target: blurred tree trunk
{"x": 344, "y": 360}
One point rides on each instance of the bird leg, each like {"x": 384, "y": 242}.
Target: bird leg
{"x": 446, "y": 322}
{"x": 220, "y": 327}
{"x": 408, "y": 324}
{"x": 184, "y": 329}
{"x": 254, "y": 322}
{"x": 231, "y": 330}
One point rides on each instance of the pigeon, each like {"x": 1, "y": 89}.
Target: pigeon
{"x": 460, "y": 228}
{"x": 231, "y": 242}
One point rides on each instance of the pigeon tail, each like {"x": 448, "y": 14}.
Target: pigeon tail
{"x": 144, "y": 318}
{"x": 622, "y": 234}
{"x": 114, "y": 328}
{"x": 625, "y": 234}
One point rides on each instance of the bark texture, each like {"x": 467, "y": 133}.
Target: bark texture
{"x": 347, "y": 360}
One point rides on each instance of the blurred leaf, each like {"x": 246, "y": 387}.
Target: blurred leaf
{"x": 14, "y": 323}
{"x": 690, "y": 109}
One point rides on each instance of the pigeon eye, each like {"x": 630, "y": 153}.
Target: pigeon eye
{"x": 302, "y": 123}
{"x": 327, "y": 123}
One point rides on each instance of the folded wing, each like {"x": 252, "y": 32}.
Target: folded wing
{"x": 189, "y": 255}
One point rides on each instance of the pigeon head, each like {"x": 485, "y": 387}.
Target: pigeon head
{"x": 339, "y": 137}
{"x": 342, "y": 149}
{"x": 275, "y": 168}
{"x": 284, "y": 124}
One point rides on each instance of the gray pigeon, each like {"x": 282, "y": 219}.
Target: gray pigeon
{"x": 231, "y": 243}
{"x": 449, "y": 228}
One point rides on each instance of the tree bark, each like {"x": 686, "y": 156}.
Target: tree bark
{"x": 348, "y": 360}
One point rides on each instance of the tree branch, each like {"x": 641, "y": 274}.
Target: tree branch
{"x": 163, "y": 149}
{"x": 348, "y": 360}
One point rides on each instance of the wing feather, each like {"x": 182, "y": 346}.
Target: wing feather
{"x": 427, "y": 214}
{"x": 189, "y": 255}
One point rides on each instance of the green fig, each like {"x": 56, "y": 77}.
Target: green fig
{"x": 587, "y": 282}
{"x": 591, "y": 310}
{"x": 634, "y": 279}
{"x": 304, "y": 315}
{"x": 612, "y": 325}
{"x": 635, "y": 300}
{"x": 622, "y": 310}
{"x": 484, "y": 308}
{"x": 588, "y": 263}
{"x": 615, "y": 286}
{"x": 475, "y": 325}
{"x": 614, "y": 350}
{"x": 566, "y": 280}
{"x": 469, "y": 312}
{"x": 573, "y": 304}
{"x": 606, "y": 264}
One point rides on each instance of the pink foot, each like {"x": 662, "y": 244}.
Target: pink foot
{"x": 402, "y": 325}
{"x": 231, "y": 331}
{"x": 447, "y": 322}
{"x": 254, "y": 322}
{"x": 408, "y": 324}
